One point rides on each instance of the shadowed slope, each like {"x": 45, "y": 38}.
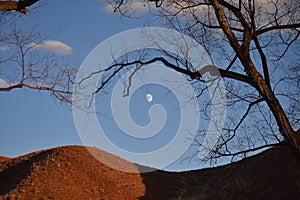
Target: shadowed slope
{"x": 273, "y": 174}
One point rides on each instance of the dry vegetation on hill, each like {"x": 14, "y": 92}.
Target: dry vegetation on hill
{"x": 71, "y": 172}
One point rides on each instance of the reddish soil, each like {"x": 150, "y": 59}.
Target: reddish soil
{"x": 67, "y": 173}
{"x": 73, "y": 173}
{"x": 2, "y": 158}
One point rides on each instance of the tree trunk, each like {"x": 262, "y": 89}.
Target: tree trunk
{"x": 285, "y": 128}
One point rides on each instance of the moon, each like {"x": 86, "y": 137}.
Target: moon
{"x": 149, "y": 97}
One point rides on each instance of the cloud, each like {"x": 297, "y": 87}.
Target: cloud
{"x": 3, "y": 83}
{"x": 4, "y": 48}
{"x": 53, "y": 46}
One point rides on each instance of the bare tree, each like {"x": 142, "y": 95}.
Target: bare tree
{"x": 22, "y": 65}
{"x": 254, "y": 45}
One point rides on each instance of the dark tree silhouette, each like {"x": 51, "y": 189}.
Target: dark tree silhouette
{"x": 254, "y": 44}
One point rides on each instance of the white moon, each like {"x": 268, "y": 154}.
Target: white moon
{"x": 149, "y": 97}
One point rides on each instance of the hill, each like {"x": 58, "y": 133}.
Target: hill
{"x": 2, "y": 158}
{"x": 71, "y": 172}
{"x": 67, "y": 173}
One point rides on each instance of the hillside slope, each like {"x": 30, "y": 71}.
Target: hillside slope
{"x": 71, "y": 172}
{"x": 273, "y": 174}
{"x": 67, "y": 173}
{"x": 2, "y": 158}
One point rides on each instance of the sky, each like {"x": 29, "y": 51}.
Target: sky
{"x": 32, "y": 120}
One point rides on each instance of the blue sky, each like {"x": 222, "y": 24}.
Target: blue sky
{"x": 31, "y": 120}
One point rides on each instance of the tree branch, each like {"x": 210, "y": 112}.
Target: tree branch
{"x": 263, "y": 61}
{"x": 61, "y": 95}
{"x": 225, "y": 26}
{"x": 193, "y": 75}
{"x": 220, "y": 154}
{"x": 20, "y": 6}
{"x": 279, "y": 27}
{"x": 237, "y": 12}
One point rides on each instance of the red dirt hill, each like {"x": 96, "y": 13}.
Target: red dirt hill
{"x": 73, "y": 173}
{"x": 2, "y": 158}
{"x": 67, "y": 173}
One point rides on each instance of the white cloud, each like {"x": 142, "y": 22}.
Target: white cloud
{"x": 4, "y": 48}
{"x": 3, "y": 83}
{"x": 53, "y": 46}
